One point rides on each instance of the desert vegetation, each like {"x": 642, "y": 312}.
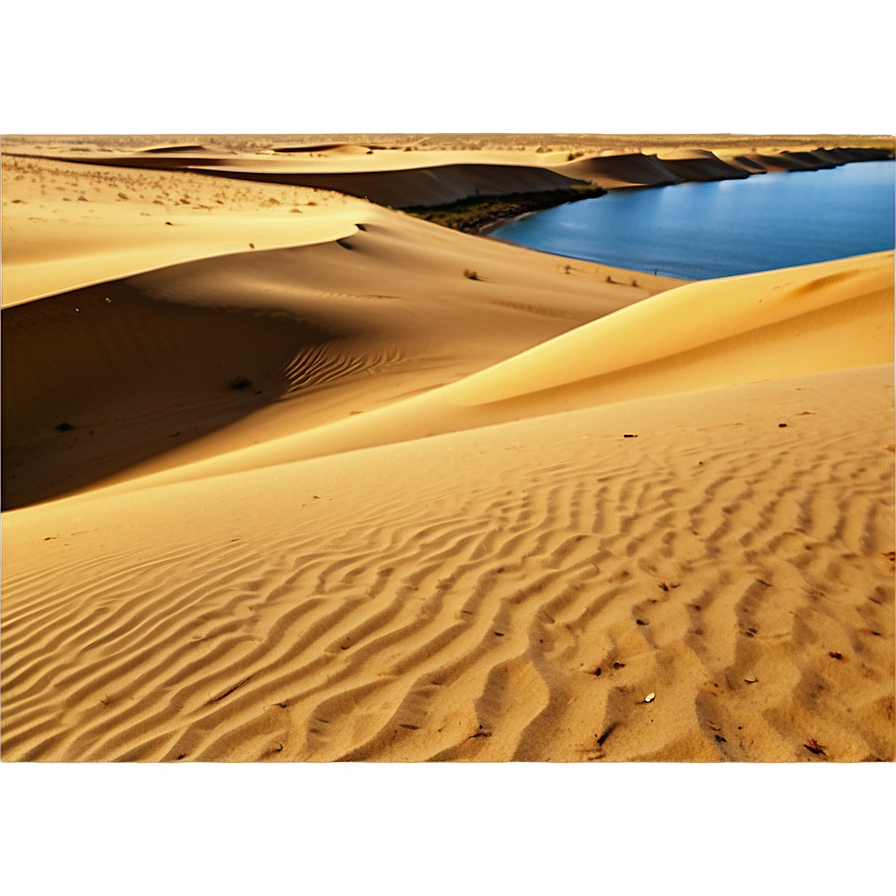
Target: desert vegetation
{"x": 474, "y": 214}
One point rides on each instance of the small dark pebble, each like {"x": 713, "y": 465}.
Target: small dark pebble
{"x": 629, "y": 435}
{"x": 641, "y": 622}
{"x": 618, "y": 665}
{"x": 597, "y": 671}
{"x": 782, "y": 425}
{"x": 500, "y": 634}
{"x": 64, "y": 427}
{"x": 721, "y": 739}
{"x": 835, "y": 655}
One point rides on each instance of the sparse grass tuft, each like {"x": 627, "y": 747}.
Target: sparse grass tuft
{"x": 470, "y": 275}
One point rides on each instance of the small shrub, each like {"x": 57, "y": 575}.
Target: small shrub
{"x": 470, "y": 275}
{"x": 240, "y": 382}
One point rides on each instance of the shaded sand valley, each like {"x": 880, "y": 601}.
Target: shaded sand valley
{"x": 282, "y": 483}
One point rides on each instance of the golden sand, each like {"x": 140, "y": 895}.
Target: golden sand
{"x": 280, "y": 483}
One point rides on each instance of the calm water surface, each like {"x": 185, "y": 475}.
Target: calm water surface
{"x": 701, "y": 230}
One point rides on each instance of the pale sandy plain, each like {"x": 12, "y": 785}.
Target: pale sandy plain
{"x": 559, "y": 512}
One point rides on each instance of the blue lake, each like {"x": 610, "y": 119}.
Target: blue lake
{"x": 697, "y": 231}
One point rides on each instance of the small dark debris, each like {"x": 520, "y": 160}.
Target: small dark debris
{"x": 251, "y": 245}
{"x": 284, "y": 704}
{"x": 229, "y": 691}
{"x": 782, "y": 425}
{"x": 606, "y": 734}
{"x": 64, "y": 427}
{"x": 500, "y": 634}
{"x": 720, "y": 739}
{"x": 763, "y": 582}
{"x": 182, "y": 756}
{"x": 629, "y": 435}
{"x": 641, "y": 622}
{"x": 813, "y": 746}
{"x": 835, "y": 655}
{"x": 169, "y": 224}
{"x": 618, "y": 665}
{"x": 361, "y": 227}
{"x": 411, "y": 727}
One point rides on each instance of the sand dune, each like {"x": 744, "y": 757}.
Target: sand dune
{"x": 401, "y": 178}
{"x": 534, "y": 515}
{"x": 68, "y": 225}
{"x": 431, "y": 185}
{"x": 139, "y": 367}
{"x": 703, "y": 335}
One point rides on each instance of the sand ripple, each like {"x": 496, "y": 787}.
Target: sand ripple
{"x": 525, "y": 619}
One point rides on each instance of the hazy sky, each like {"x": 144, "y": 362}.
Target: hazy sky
{"x": 478, "y": 66}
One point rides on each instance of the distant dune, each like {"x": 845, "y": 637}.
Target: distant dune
{"x": 400, "y": 178}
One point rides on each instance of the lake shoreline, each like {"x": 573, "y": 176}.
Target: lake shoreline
{"x": 724, "y": 228}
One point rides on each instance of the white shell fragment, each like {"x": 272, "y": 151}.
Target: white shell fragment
{"x": 751, "y": 680}
{"x": 650, "y": 698}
